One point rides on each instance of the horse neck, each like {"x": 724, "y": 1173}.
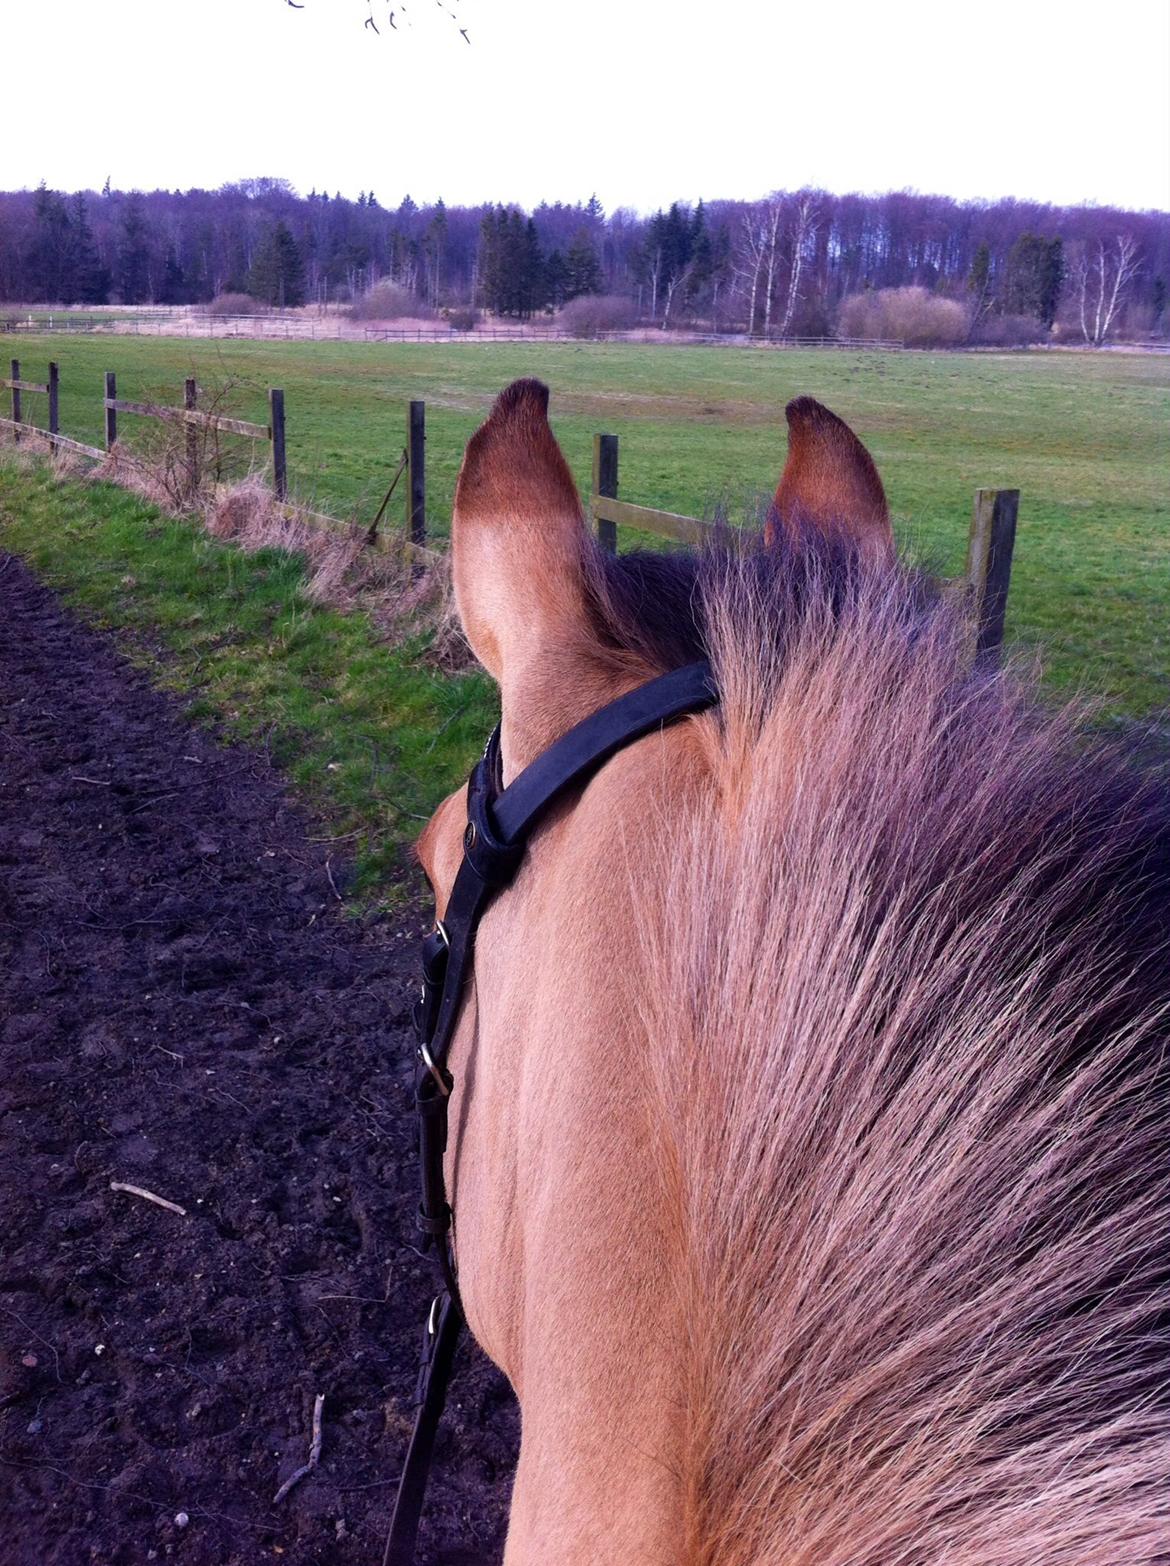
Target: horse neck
{"x": 568, "y": 1245}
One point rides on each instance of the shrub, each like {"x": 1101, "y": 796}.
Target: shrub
{"x": 907, "y": 315}
{"x": 236, "y": 304}
{"x": 388, "y": 301}
{"x": 1009, "y": 331}
{"x": 462, "y": 320}
{"x": 590, "y": 314}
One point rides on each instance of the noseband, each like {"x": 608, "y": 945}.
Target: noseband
{"x": 499, "y": 824}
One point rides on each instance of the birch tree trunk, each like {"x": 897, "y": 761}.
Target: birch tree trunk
{"x": 804, "y": 229}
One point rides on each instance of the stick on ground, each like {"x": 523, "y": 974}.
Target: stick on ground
{"x": 148, "y": 1196}
{"x": 314, "y": 1452}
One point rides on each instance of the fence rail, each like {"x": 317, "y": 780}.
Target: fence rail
{"x": 194, "y": 419}
{"x": 990, "y": 542}
{"x": 990, "y": 545}
{"x": 17, "y": 385}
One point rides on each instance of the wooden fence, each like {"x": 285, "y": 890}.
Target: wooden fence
{"x": 49, "y": 389}
{"x": 990, "y": 542}
{"x": 990, "y": 546}
{"x": 190, "y": 415}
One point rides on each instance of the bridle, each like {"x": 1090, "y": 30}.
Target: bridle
{"x": 499, "y": 824}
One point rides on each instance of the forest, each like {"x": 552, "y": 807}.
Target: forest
{"x": 795, "y": 263}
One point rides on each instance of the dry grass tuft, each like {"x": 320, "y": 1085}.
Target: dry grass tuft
{"x": 406, "y": 602}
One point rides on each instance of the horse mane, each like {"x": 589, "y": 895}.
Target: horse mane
{"x": 908, "y": 1024}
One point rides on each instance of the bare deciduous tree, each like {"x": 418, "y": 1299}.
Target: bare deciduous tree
{"x": 755, "y": 255}
{"x": 805, "y": 217}
{"x": 1103, "y": 273}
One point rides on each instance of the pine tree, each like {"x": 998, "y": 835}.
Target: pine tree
{"x": 49, "y": 254}
{"x": 277, "y": 275}
{"x": 490, "y": 256}
{"x": 174, "y": 284}
{"x": 702, "y": 258}
{"x": 1035, "y": 273}
{"x": 532, "y": 290}
{"x": 979, "y": 285}
{"x": 582, "y": 267}
{"x": 435, "y": 249}
{"x": 133, "y": 255}
{"x": 1051, "y": 283}
{"x": 89, "y": 279}
{"x": 513, "y": 273}
{"x": 556, "y": 279}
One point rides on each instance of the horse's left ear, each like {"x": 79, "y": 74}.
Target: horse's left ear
{"x": 829, "y": 481}
{"x": 517, "y": 537}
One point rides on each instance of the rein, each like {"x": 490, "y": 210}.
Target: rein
{"x": 499, "y": 824}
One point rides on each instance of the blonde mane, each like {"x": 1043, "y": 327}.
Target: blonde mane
{"x": 910, "y": 1021}
{"x": 851, "y": 1249}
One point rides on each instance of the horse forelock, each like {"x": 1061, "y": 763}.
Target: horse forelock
{"x": 909, "y": 1024}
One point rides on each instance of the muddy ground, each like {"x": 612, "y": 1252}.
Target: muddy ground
{"x": 183, "y": 1007}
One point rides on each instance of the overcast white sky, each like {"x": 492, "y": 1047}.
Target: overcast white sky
{"x": 642, "y": 101}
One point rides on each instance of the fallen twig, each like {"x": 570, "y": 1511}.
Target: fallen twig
{"x": 148, "y": 1196}
{"x": 314, "y": 1452}
{"x": 76, "y": 777}
{"x": 154, "y": 800}
{"x": 332, "y": 882}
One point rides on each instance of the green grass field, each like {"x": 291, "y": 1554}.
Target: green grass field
{"x": 1085, "y": 437}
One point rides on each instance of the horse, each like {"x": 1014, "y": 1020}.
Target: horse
{"x": 809, "y": 1146}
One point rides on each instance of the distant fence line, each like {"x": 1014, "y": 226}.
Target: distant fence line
{"x": 990, "y": 545}
{"x": 163, "y": 321}
{"x": 302, "y": 329}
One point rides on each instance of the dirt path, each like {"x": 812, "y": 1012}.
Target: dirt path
{"x": 182, "y": 1008}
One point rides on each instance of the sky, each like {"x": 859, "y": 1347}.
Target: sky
{"x": 640, "y": 101}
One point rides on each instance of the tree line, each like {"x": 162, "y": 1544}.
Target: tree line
{"x": 782, "y": 265}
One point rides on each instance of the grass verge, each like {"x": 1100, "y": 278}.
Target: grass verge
{"x": 370, "y": 736}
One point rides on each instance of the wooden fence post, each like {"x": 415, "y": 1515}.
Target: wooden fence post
{"x": 605, "y": 482}
{"x": 416, "y": 472}
{"x": 989, "y": 565}
{"x": 111, "y": 413}
{"x": 190, "y": 401}
{"x": 15, "y": 399}
{"x": 276, "y": 432}
{"x": 54, "y": 386}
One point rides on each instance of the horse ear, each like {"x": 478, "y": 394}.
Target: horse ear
{"x": 516, "y": 535}
{"x": 829, "y": 480}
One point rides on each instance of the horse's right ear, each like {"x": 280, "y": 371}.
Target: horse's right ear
{"x": 516, "y": 537}
{"x": 829, "y": 481}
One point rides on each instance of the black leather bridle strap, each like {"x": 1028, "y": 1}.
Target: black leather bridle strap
{"x": 588, "y": 746}
{"x": 499, "y": 823}
{"x": 440, "y": 1337}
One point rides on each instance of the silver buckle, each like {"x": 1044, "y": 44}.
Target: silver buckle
{"x": 424, "y": 1054}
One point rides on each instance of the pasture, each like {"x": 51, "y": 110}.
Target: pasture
{"x": 1083, "y": 436}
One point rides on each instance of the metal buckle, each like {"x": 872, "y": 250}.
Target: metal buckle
{"x": 433, "y": 1318}
{"x": 436, "y": 1071}
{"x": 442, "y": 932}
